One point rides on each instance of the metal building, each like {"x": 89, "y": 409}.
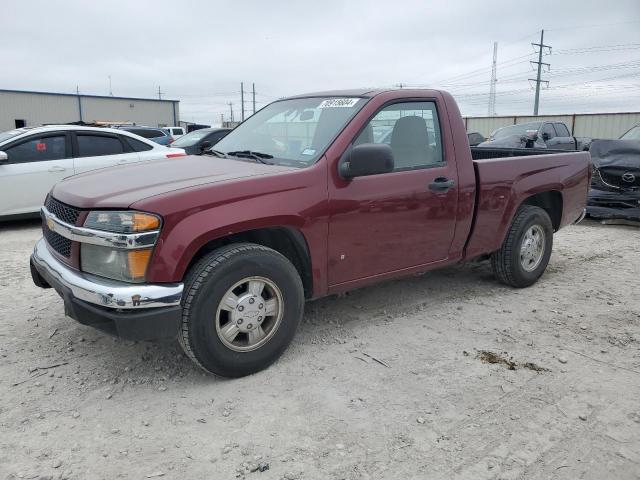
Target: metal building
{"x": 20, "y": 108}
{"x": 593, "y": 125}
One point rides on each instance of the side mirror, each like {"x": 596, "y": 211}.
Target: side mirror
{"x": 206, "y": 145}
{"x": 545, "y": 136}
{"x": 366, "y": 159}
{"x": 4, "y": 157}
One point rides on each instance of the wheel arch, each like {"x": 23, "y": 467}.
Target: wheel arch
{"x": 286, "y": 240}
{"x": 550, "y": 201}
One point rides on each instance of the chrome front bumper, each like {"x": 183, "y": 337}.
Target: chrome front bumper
{"x": 101, "y": 291}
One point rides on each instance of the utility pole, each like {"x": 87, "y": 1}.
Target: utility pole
{"x": 79, "y": 103}
{"x": 231, "y": 110}
{"x": 159, "y": 93}
{"x": 242, "y": 98}
{"x": 110, "y": 90}
{"x": 494, "y": 80}
{"x": 541, "y": 46}
{"x": 221, "y": 119}
{"x": 253, "y": 91}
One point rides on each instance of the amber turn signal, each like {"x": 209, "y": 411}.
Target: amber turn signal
{"x": 143, "y": 222}
{"x": 137, "y": 263}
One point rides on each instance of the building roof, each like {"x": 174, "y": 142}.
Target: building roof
{"x": 2, "y": 90}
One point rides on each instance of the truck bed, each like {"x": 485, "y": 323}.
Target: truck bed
{"x": 507, "y": 176}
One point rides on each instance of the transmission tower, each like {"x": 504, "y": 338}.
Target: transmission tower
{"x": 494, "y": 80}
{"x": 541, "y": 46}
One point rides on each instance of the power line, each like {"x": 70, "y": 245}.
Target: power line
{"x": 597, "y": 25}
{"x": 520, "y": 77}
{"x": 476, "y": 98}
{"x": 475, "y": 72}
{"x": 598, "y": 48}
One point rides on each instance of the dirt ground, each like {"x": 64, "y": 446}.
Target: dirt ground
{"x": 445, "y": 376}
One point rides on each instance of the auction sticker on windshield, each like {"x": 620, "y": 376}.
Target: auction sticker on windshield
{"x": 338, "y": 103}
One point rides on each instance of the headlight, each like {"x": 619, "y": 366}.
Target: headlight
{"x": 122, "y": 222}
{"x": 128, "y": 265}
{"x": 124, "y": 265}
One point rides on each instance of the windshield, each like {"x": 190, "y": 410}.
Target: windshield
{"x": 10, "y": 134}
{"x": 190, "y": 139}
{"x": 633, "y": 134}
{"x": 295, "y": 132}
{"x": 515, "y": 130}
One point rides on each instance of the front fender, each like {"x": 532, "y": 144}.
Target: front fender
{"x": 193, "y": 233}
{"x": 186, "y": 231}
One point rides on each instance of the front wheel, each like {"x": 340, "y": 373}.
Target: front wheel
{"x": 241, "y": 308}
{"x": 526, "y": 250}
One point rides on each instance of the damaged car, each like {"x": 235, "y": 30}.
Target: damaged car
{"x": 615, "y": 181}
{"x": 632, "y": 134}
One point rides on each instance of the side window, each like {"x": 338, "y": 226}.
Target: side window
{"x": 411, "y": 130}
{"x": 38, "y": 149}
{"x": 98, "y": 145}
{"x": 152, "y": 133}
{"x": 177, "y": 131}
{"x": 137, "y": 145}
{"x": 562, "y": 130}
{"x": 146, "y": 133}
{"x": 548, "y": 129}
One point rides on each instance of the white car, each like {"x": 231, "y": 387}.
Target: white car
{"x": 175, "y": 132}
{"x": 34, "y": 159}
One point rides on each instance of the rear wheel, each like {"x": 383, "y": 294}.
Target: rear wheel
{"x": 526, "y": 250}
{"x": 241, "y": 308}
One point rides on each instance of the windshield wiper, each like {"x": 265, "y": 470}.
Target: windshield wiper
{"x": 216, "y": 153}
{"x": 257, "y": 156}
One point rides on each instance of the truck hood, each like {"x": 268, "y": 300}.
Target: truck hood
{"x": 619, "y": 153}
{"x": 121, "y": 186}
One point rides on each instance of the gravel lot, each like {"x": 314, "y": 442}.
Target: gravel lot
{"x": 387, "y": 382}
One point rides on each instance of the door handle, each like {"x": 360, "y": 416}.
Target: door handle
{"x": 122, "y": 161}
{"x": 441, "y": 184}
{"x": 57, "y": 169}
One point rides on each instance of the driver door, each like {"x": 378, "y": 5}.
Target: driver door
{"x": 393, "y": 221}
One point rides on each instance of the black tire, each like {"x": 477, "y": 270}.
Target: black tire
{"x": 205, "y": 285}
{"x": 506, "y": 263}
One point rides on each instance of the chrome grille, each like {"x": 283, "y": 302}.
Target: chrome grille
{"x": 58, "y": 242}
{"x": 64, "y": 212}
{"x": 614, "y": 176}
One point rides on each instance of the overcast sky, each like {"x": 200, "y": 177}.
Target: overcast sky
{"x": 198, "y": 52}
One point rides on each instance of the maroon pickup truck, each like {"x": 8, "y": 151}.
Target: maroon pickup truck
{"x": 311, "y": 196}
